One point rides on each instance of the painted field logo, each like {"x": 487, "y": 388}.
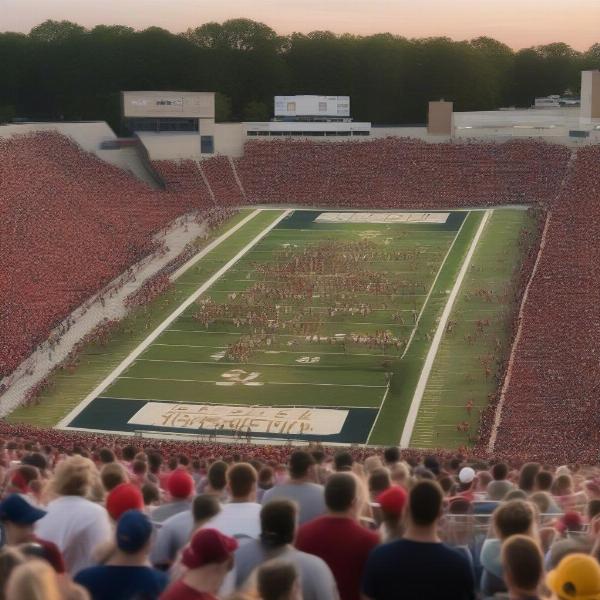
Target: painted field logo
{"x": 240, "y": 377}
{"x": 308, "y": 360}
{"x": 259, "y": 419}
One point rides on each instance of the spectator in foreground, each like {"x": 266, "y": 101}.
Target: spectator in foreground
{"x": 523, "y": 567}
{"x": 18, "y": 518}
{"x": 515, "y": 517}
{"x": 208, "y": 558}
{"x": 278, "y": 529}
{"x": 337, "y": 537}
{"x": 180, "y": 486}
{"x": 300, "y": 487}
{"x": 239, "y": 518}
{"x": 499, "y": 486}
{"x": 278, "y": 581}
{"x": 419, "y": 565}
{"x": 127, "y": 574}
{"x": 577, "y": 577}
{"x": 76, "y": 525}
{"x": 392, "y": 503}
{"x": 176, "y": 531}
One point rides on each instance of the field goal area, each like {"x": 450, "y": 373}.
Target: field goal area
{"x": 322, "y": 325}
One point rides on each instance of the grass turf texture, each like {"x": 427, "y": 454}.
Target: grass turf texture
{"x": 181, "y": 364}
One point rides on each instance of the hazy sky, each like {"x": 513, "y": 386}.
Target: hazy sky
{"x": 518, "y": 23}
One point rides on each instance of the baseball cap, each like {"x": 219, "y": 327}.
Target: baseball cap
{"x": 134, "y": 529}
{"x": 208, "y": 546}
{"x": 125, "y": 496}
{"x": 466, "y": 475}
{"x": 393, "y": 500}
{"x": 570, "y": 521}
{"x": 15, "y": 509}
{"x": 577, "y": 577}
{"x": 180, "y": 484}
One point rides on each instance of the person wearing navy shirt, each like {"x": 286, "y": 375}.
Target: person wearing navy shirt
{"x": 126, "y": 575}
{"x": 419, "y": 565}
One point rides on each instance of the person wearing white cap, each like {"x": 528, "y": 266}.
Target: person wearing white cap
{"x": 466, "y": 475}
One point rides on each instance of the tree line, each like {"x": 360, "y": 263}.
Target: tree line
{"x": 61, "y": 70}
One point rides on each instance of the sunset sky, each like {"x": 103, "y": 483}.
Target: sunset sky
{"x": 518, "y": 23}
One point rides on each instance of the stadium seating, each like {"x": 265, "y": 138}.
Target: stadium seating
{"x": 69, "y": 224}
{"x": 220, "y": 177}
{"x": 401, "y": 173}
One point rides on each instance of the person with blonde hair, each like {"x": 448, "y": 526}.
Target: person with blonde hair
{"x": 10, "y": 558}
{"x": 74, "y": 523}
{"x": 33, "y": 580}
{"x": 523, "y": 567}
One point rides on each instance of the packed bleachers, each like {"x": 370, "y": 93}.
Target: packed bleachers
{"x": 220, "y": 177}
{"x": 184, "y": 177}
{"x": 401, "y": 173}
{"x": 129, "y": 518}
{"x": 550, "y": 408}
{"x": 69, "y": 224}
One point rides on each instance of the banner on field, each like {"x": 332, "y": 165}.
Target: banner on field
{"x": 382, "y": 217}
{"x": 258, "y": 419}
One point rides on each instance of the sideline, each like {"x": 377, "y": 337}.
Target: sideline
{"x": 511, "y": 360}
{"x": 411, "y": 418}
{"x": 63, "y": 423}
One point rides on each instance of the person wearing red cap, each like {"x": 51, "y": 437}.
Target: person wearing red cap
{"x": 391, "y": 503}
{"x": 124, "y": 497}
{"x": 208, "y": 558}
{"x": 180, "y": 486}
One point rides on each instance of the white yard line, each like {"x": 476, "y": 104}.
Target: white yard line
{"x": 383, "y": 399}
{"x": 414, "y": 331}
{"x": 356, "y": 385}
{"x": 176, "y": 313}
{"x": 437, "y": 338}
{"x": 248, "y": 364}
{"x": 507, "y": 378}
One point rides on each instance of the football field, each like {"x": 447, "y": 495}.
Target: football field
{"x": 303, "y": 325}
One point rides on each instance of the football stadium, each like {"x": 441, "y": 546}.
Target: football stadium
{"x": 295, "y": 329}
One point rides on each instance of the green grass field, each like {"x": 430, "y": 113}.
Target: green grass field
{"x": 290, "y": 339}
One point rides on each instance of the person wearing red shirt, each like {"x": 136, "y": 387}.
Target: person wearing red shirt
{"x": 208, "y": 558}
{"x": 337, "y": 537}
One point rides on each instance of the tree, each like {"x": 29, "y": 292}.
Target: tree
{"x": 256, "y": 111}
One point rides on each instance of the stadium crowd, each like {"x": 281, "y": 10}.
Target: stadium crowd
{"x": 401, "y": 173}
{"x": 120, "y": 521}
{"x": 551, "y": 405}
{"x": 89, "y": 220}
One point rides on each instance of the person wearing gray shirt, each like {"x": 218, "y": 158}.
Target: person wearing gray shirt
{"x": 278, "y": 529}
{"x": 309, "y": 496}
{"x": 176, "y": 530}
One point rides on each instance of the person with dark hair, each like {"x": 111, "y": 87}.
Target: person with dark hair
{"x": 300, "y": 487}
{"x": 215, "y": 482}
{"x": 527, "y": 476}
{"x": 523, "y": 567}
{"x": 127, "y": 574}
{"x": 278, "y": 580}
{"x": 240, "y": 517}
{"x": 343, "y": 461}
{"x": 543, "y": 481}
{"x": 338, "y": 538}
{"x": 499, "y": 486}
{"x": 433, "y": 464}
{"x": 391, "y": 456}
{"x": 106, "y": 455}
{"x": 266, "y": 477}
{"x": 128, "y": 454}
{"x": 513, "y": 517}
{"x": 379, "y": 481}
{"x": 278, "y": 530}
{"x": 176, "y": 530}
{"x": 419, "y": 565}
